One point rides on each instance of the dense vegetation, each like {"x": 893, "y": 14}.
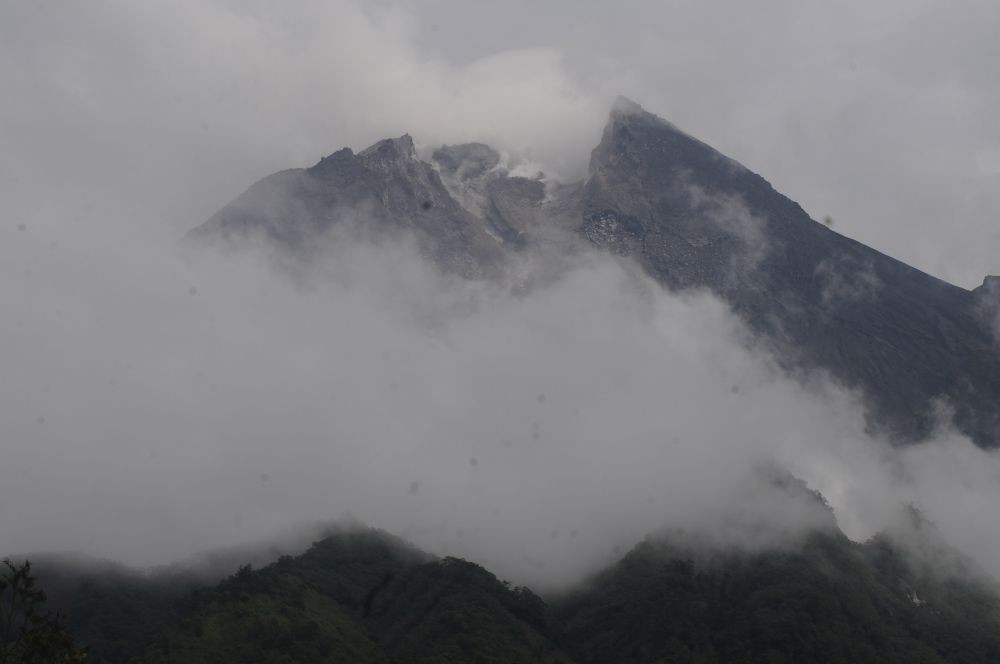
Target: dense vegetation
{"x": 828, "y": 601}
{"x": 365, "y": 596}
{"x": 30, "y": 634}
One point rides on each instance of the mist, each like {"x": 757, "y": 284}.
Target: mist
{"x": 163, "y": 406}
{"x": 156, "y": 405}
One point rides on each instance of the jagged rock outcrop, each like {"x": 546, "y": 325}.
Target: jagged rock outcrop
{"x": 383, "y": 189}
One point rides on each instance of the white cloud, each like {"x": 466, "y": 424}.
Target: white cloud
{"x": 160, "y": 408}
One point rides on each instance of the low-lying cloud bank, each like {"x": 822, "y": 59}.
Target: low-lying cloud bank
{"x": 155, "y": 407}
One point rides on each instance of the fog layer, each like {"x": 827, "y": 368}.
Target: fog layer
{"x": 158, "y": 407}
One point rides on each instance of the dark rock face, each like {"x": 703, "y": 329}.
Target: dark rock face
{"x": 692, "y": 218}
{"x": 988, "y": 299}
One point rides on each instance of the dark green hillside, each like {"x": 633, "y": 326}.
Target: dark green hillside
{"x": 455, "y": 611}
{"x": 302, "y": 609}
{"x": 115, "y": 610}
{"x": 360, "y": 597}
{"x": 830, "y": 601}
{"x": 365, "y": 596}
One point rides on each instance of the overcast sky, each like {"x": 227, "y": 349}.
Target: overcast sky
{"x": 879, "y": 115}
{"x": 151, "y": 408}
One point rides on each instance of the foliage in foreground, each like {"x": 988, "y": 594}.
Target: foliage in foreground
{"x": 29, "y": 635}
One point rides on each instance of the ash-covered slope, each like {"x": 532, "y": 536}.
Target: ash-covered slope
{"x": 829, "y": 600}
{"x": 693, "y": 219}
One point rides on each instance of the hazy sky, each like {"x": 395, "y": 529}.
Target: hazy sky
{"x": 879, "y": 115}
{"x": 152, "y": 407}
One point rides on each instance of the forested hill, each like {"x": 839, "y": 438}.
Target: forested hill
{"x": 365, "y": 596}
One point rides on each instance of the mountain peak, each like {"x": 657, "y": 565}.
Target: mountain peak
{"x": 624, "y": 111}
{"x": 634, "y": 136}
{"x": 692, "y": 218}
{"x": 389, "y": 151}
{"x": 991, "y": 284}
{"x": 625, "y": 106}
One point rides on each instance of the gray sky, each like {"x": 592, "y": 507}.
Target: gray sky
{"x": 880, "y": 115}
{"x": 151, "y": 407}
